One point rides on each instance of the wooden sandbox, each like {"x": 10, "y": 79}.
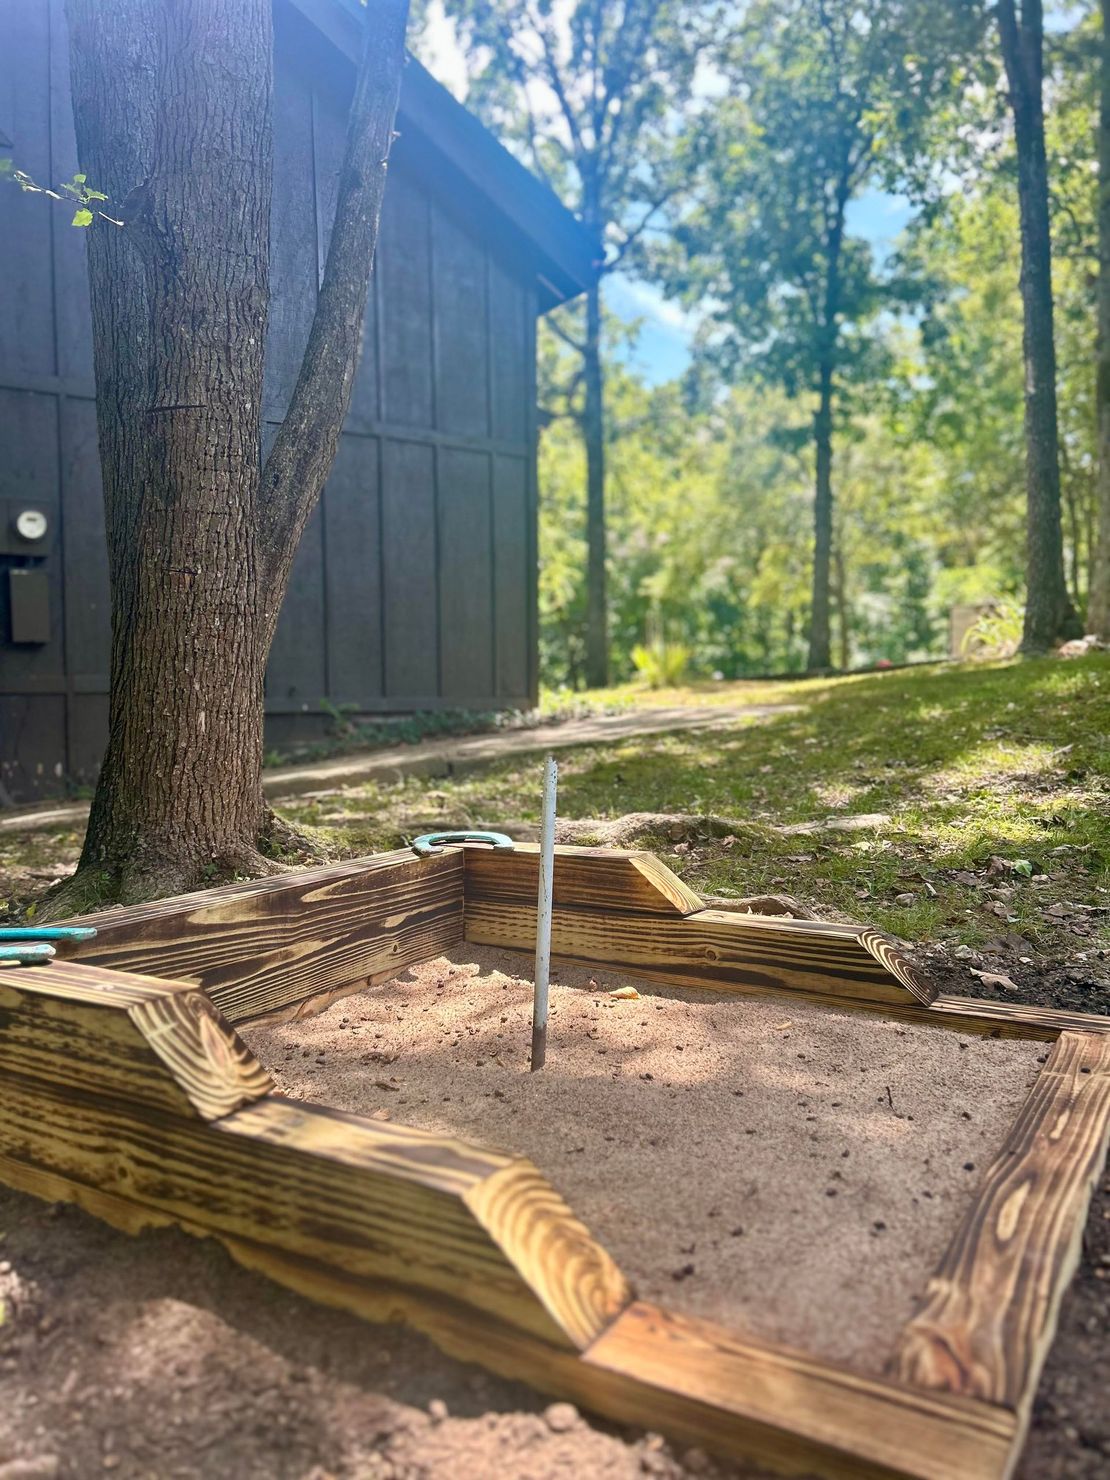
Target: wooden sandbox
{"x": 127, "y": 1089}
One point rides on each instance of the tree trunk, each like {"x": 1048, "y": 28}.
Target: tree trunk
{"x": 1049, "y": 614}
{"x": 843, "y": 615}
{"x": 593, "y": 425}
{"x": 820, "y": 654}
{"x": 1098, "y": 610}
{"x": 172, "y": 105}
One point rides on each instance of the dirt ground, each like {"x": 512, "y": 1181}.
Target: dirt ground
{"x": 788, "y": 1171}
{"x": 158, "y": 1358}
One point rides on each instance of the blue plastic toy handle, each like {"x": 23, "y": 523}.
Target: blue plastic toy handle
{"x": 428, "y": 842}
{"x": 46, "y": 932}
{"x": 25, "y": 955}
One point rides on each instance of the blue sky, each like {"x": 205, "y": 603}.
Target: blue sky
{"x": 663, "y": 350}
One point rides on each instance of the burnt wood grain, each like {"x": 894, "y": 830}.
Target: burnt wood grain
{"x": 991, "y": 1307}
{"x": 109, "y": 1090}
{"x": 715, "y": 950}
{"x": 130, "y": 1039}
{"x": 786, "y": 1410}
{"x": 616, "y": 881}
{"x": 292, "y": 943}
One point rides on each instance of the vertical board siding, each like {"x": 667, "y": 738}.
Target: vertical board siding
{"x": 86, "y": 736}
{"x": 88, "y": 618}
{"x": 26, "y": 225}
{"x": 465, "y": 574}
{"x": 73, "y": 326}
{"x": 415, "y": 581}
{"x": 33, "y": 756}
{"x": 508, "y": 351}
{"x": 409, "y": 570}
{"x": 511, "y": 546}
{"x": 296, "y": 676}
{"x": 406, "y": 305}
{"x": 461, "y": 329}
{"x": 353, "y": 595}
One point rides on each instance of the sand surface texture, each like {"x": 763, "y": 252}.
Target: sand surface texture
{"x": 785, "y": 1170}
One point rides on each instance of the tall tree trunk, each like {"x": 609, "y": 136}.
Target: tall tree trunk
{"x": 820, "y": 654}
{"x": 1098, "y": 609}
{"x": 843, "y": 615}
{"x": 172, "y": 105}
{"x": 1049, "y": 614}
{"x": 597, "y": 616}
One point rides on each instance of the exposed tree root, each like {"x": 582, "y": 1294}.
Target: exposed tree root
{"x": 763, "y": 904}
{"x": 637, "y": 828}
{"x": 281, "y": 841}
{"x": 150, "y": 875}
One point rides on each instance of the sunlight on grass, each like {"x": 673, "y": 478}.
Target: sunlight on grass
{"x": 994, "y": 780}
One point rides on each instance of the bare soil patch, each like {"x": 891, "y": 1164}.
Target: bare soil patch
{"x": 158, "y": 1358}
{"x": 786, "y": 1170}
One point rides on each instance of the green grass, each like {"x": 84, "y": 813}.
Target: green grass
{"x": 971, "y": 763}
{"x": 1007, "y": 762}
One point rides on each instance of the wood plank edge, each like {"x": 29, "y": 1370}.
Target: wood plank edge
{"x": 202, "y": 899}
{"x": 313, "y": 1003}
{"x": 792, "y": 1411}
{"x": 925, "y": 1354}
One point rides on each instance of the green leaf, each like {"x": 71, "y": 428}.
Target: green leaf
{"x": 83, "y": 217}
{"x": 1022, "y": 866}
{"x": 80, "y": 179}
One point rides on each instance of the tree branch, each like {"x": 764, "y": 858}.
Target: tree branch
{"x": 565, "y": 335}
{"x": 558, "y": 87}
{"x": 518, "y": 70}
{"x": 633, "y": 236}
{"x": 306, "y": 443}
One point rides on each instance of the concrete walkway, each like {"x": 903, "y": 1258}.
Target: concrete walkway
{"x": 451, "y": 756}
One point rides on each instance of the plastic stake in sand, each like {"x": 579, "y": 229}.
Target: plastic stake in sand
{"x": 786, "y": 1170}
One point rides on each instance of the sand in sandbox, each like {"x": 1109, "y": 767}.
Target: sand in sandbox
{"x": 786, "y": 1170}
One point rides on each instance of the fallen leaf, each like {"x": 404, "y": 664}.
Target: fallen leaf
{"x": 779, "y": 1026}
{"x": 629, "y": 994}
{"x": 385, "y": 1084}
{"x": 380, "y": 1115}
{"x": 995, "y": 979}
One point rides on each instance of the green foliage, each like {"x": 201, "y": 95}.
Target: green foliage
{"x": 76, "y": 190}
{"x": 663, "y": 665}
{"x": 997, "y": 633}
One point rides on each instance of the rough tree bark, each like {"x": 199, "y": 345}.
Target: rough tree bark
{"x": 1098, "y": 616}
{"x": 172, "y": 106}
{"x": 820, "y": 649}
{"x": 1049, "y": 614}
{"x": 593, "y": 429}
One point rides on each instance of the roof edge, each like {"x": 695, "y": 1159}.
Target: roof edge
{"x": 568, "y": 255}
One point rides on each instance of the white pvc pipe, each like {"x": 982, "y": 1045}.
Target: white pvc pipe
{"x": 543, "y": 914}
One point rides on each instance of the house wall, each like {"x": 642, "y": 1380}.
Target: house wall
{"x": 414, "y": 586}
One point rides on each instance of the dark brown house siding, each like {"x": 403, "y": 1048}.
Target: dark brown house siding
{"x": 414, "y": 587}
